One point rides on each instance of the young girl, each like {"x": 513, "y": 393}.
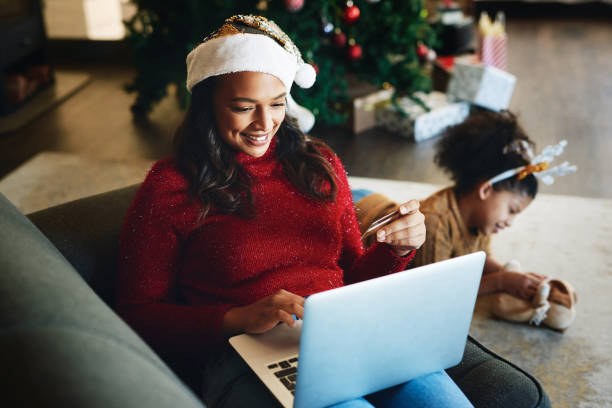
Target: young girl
{"x": 481, "y": 156}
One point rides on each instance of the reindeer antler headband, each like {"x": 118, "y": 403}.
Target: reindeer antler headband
{"x": 539, "y": 165}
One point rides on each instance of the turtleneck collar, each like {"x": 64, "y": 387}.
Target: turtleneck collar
{"x": 259, "y": 165}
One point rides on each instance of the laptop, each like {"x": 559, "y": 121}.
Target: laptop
{"x": 368, "y": 336}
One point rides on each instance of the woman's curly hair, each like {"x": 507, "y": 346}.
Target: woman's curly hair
{"x": 473, "y": 152}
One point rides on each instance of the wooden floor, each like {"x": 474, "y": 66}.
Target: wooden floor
{"x": 564, "y": 91}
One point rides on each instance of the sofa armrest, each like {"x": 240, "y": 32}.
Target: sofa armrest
{"x": 60, "y": 344}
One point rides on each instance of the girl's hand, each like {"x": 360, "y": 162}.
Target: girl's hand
{"x": 407, "y": 233}
{"x": 522, "y": 285}
{"x": 265, "y": 314}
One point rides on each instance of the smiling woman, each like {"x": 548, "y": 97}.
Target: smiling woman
{"x": 247, "y": 218}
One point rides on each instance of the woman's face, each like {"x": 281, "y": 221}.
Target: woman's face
{"x": 249, "y": 108}
{"x": 497, "y": 210}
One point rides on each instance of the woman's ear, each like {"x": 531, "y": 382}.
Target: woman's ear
{"x": 484, "y": 190}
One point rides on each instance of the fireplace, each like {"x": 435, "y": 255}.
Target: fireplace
{"x": 24, "y": 67}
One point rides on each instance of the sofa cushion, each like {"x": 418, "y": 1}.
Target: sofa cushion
{"x": 60, "y": 344}
{"x": 490, "y": 381}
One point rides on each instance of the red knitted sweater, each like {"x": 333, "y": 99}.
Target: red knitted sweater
{"x": 178, "y": 274}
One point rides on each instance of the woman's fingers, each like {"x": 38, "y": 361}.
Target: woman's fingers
{"x": 407, "y": 232}
{"x": 289, "y": 303}
{"x": 284, "y": 295}
{"x": 266, "y": 313}
{"x": 410, "y": 206}
{"x": 403, "y": 224}
{"x": 285, "y": 317}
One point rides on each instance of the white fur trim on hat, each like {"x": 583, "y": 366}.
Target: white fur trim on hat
{"x": 246, "y": 52}
{"x": 305, "y": 118}
{"x": 305, "y": 76}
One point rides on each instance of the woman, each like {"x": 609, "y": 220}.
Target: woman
{"x": 249, "y": 217}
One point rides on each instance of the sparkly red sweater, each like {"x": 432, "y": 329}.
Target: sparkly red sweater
{"x": 179, "y": 274}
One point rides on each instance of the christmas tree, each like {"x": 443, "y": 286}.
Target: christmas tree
{"x": 378, "y": 41}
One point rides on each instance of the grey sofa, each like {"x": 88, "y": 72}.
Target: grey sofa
{"x": 61, "y": 344}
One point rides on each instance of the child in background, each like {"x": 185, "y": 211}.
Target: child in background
{"x": 483, "y": 156}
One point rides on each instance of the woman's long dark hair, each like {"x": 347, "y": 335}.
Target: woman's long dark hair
{"x": 218, "y": 180}
{"x": 473, "y": 152}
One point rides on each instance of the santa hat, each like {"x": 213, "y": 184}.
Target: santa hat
{"x": 231, "y": 49}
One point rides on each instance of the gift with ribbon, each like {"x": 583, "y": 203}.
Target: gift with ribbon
{"x": 492, "y": 40}
{"x": 421, "y": 117}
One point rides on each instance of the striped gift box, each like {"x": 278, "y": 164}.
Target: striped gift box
{"x": 493, "y": 50}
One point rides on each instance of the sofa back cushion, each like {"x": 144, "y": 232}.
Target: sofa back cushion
{"x": 86, "y": 232}
{"x": 60, "y": 344}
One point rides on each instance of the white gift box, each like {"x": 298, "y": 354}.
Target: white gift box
{"x": 417, "y": 122}
{"x": 482, "y": 85}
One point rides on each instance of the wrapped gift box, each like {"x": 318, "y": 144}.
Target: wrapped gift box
{"x": 363, "y": 117}
{"x": 481, "y": 85}
{"x": 415, "y": 122}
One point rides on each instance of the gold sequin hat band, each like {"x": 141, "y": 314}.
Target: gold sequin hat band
{"x": 232, "y": 49}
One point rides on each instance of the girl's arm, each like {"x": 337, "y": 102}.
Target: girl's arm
{"x": 492, "y": 277}
{"x": 496, "y": 279}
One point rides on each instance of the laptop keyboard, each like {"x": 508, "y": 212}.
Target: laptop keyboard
{"x": 286, "y": 372}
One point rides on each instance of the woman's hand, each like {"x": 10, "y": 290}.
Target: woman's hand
{"x": 265, "y": 314}
{"x": 407, "y": 233}
{"x": 522, "y": 285}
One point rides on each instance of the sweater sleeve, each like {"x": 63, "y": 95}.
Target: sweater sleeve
{"x": 148, "y": 262}
{"x": 379, "y": 259}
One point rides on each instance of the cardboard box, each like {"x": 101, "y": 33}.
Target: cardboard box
{"x": 364, "y": 108}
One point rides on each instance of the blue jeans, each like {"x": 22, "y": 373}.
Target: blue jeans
{"x": 230, "y": 383}
{"x": 358, "y": 194}
{"x": 432, "y": 390}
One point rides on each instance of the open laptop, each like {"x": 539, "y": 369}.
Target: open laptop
{"x": 368, "y": 336}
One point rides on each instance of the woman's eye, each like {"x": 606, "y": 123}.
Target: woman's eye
{"x": 240, "y": 109}
{"x": 278, "y": 104}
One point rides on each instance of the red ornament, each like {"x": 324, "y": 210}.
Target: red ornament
{"x": 316, "y": 67}
{"x": 339, "y": 39}
{"x": 351, "y": 14}
{"x": 422, "y": 50}
{"x": 354, "y": 51}
{"x": 294, "y": 5}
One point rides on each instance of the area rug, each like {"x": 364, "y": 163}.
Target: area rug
{"x": 563, "y": 236}
{"x": 52, "y": 178}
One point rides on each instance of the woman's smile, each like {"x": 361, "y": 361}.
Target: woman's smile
{"x": 256, "y": 139}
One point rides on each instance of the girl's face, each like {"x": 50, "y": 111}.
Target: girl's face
{"x": 497, "y": 209}
{"x": 249, "y": 108}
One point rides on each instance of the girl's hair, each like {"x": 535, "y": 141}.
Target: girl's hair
{"x": 218, "y": 180}
{"x": 473, "y": 152}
